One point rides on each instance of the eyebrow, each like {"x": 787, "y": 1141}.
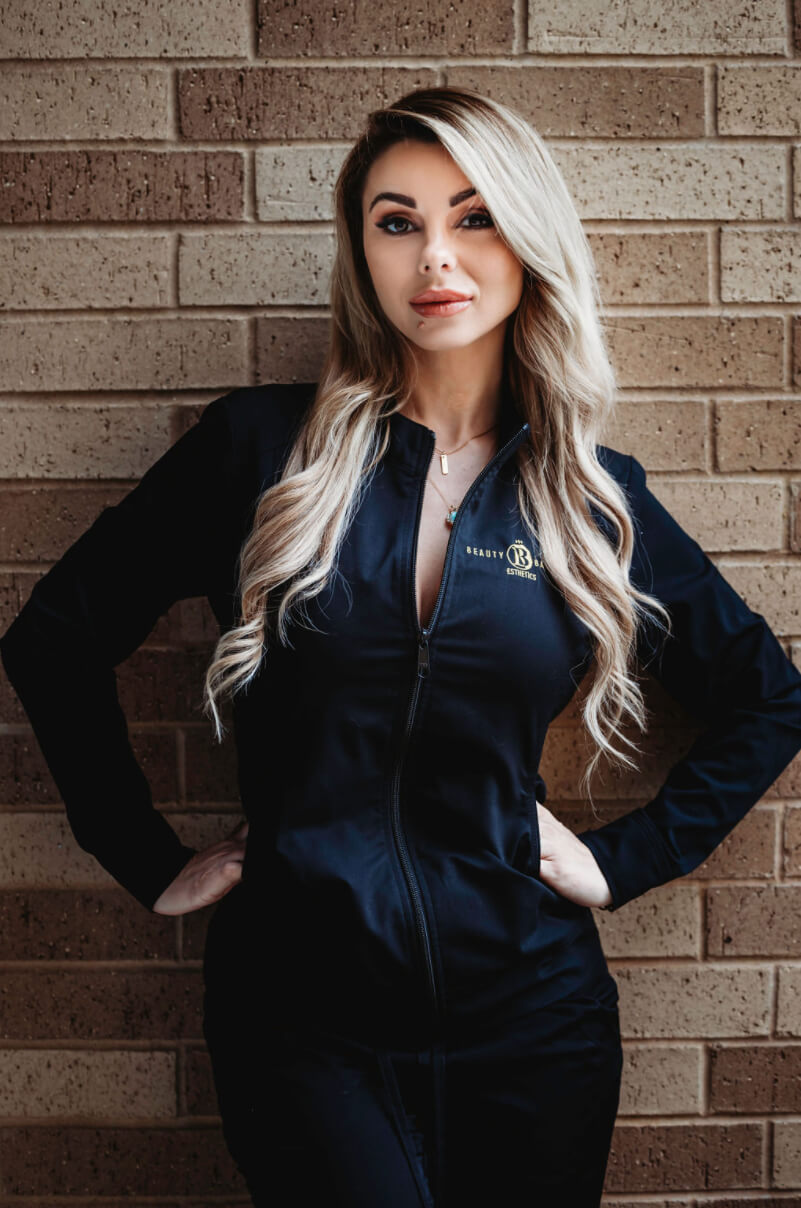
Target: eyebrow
{"x": 403, "y": 200}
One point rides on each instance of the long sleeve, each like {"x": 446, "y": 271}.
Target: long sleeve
{"x": 87, "y": 614}
{"x": 724, "y": 665}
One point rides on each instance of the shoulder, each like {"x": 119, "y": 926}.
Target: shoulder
{"x": 262, "y": 417}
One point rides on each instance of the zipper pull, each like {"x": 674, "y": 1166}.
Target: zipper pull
{"x": 422, "y": 655}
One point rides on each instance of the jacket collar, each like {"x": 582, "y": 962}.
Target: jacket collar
{"x": 412, "y": 443}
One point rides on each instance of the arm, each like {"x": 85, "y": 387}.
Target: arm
{"x": 724, "y": 665}
{"x": 88, "y": 613}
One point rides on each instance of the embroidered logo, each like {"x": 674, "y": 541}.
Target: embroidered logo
{"x": 519, "y": 557}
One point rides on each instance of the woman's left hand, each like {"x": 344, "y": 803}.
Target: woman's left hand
{"x": 567, "y": 865}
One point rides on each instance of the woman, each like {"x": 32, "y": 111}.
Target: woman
{"x": 414, "y": 563}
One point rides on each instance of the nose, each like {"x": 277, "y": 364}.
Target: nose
{"x": 438, "y": 252}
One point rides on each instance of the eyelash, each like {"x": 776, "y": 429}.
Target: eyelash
{"x": 385, "y": 222}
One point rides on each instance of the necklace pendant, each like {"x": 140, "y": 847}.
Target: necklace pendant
{"x": 451, "y": 517}
{"x": 443, "y": 458}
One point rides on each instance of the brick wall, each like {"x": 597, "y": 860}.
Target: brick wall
{"x": 166, "y": 236}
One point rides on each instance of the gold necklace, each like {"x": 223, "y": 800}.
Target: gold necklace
{"x": 443, "y": 456}
{"x": 453, "y": 508}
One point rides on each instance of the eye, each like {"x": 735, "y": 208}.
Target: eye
{"x": 391, "y": 219}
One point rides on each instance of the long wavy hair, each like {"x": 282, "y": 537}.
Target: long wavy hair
{"x": 557, "y": 368}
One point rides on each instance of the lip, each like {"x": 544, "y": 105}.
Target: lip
{"x": 439, "y": 295}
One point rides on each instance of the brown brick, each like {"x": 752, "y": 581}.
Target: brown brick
{"x": 755, "y": 1078}
{"x": 87, "y": 1160}
{"x": 90, "y": 924}
{"x": 694, "y": 1000}
{"x": 595, "y": 101}
{"x": 745, "y": 920}
{"x": 101, "y": 1004}
{"x": 662, "y": 434}
{"x": 686, "y": 1157}
{"x": 758, "y": 434}
{"x": 41, "y": 1083}
{"x": 39, "y": 523}
{"x": 797, "y": 349}
{"x": 597, "y": 27}
{"x": 651, "y": 267}
{"x": 791, "y": 848}
{"x": 696, "y": 350}
{"x": 201, "y": 1096}
{"x": 446, "y": 27}
{"x": 211, "y": 769}
{"x": 121, "y": 354}
{"x": 290, "y": 350}
{"x": 661, "y": 1080}
{"x": 121, "y": 186}
{"x": 147, "y": 29}
{"x": 25, "y": 778}
{"x": 797, "y": 26}
{"x": 759, "y": 100}
{"x": 283, "y": 103}
{"x": 162, "y": 685}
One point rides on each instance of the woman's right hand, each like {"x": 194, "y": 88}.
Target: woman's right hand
{"x": 207, "y": 876}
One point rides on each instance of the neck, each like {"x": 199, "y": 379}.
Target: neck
{"x": 456, "y": 406}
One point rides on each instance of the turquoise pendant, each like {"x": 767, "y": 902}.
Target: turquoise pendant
{"x": 451, "y": 516}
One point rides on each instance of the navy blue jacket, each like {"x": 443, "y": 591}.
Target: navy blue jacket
{"x": 391, "y": 774}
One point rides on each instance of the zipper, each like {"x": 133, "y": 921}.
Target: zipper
{"x": 422, "y": 673}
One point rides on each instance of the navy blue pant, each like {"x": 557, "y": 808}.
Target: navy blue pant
{"x": 516, "y": 1116}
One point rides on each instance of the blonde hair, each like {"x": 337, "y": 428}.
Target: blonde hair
{"x": 555, "y": 365}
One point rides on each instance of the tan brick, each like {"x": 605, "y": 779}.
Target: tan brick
{"x": 675, "y": 180}
{"x": 52, "y": 1082}
{"x": 62, "y": 924}
{"x": 446, "y": 27}
{"x": 758, "y": 434}
{"x": 290, "y": 350}
{"x": 697, "y": 350}
{"x": 564, "y": 757}
{"x": 700, "y": 1156}
{"x": 686, "y": 1001}
{"x": 107, "y": 102}
{"x": 760, "y": 266}
{"x": 279, "y": 103}
{"x": 747, "y": 851}
{"x": 770, "y": 588}
{"x": 786, "y": 1153}
{"x": 727, "y": 515}
{"x": 755, "y": 1078}
{"x": 759, "y": 100}
{"x": 295, "y": 184}
{"x": 791, "y": 848}
{"x": 795, "y": 517}
{"x": 797, "y": 325}
{"x": 663, "y": 435}
{"x": 255, "y": 268}
{"x": 39, "y": 851}
{"x": 201, "y": 1096}
{"x": 63, "y": 439}
{"x": 120, "y": 354}
{"x": 79, "y": 29}
{"x": 663, "y": 922}
{"x": 788, "y": 1001}
{"x": 574, "y": 26}
{"x": 79, "y": 1160}
{"x": 797, "y": 181}
{"x": 99, "y": 185}
{"x": 649, "y": 267}
{"x": 60, "y": 272}
{"x": 595, "y": 101}
{"x": 745, "y": 920}
{"x": 661, "y": 1080}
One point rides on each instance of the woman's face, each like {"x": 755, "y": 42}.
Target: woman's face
{"x": 426, "y": 229}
